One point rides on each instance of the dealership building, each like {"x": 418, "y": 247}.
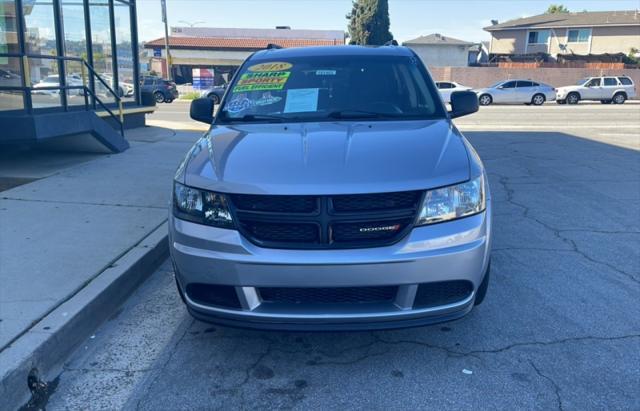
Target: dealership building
{"x": 69, "y": 68}
{"x": 215, "y": 53}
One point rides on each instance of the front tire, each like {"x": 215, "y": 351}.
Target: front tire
{"x": 573, "y": 98}
{"x": 538, "y": 99}
{"x": 619, "y": 98}
{"x": 159, "y": 97}
{"x": 485, "y": 100}
{"x": 214, "y": 98}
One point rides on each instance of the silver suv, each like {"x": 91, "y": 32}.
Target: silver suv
{"x": 607, "y": 89}
{"x": 332, "y": 191}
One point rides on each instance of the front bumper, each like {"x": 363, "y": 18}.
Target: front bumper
{"x": 451, "y": 251}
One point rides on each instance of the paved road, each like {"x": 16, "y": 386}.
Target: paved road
{"x": 560, "y": 328}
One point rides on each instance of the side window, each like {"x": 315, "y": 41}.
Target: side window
{"x": 594, "y": 82}
{"x": 538, "y": 37}
{"x": 148, "y": 82}
{"x": 625, "y": 81}
{"x": 444, "y": 85}
{"x": 509, "y": 84}
{"x": 610, "y": 81}
{"x": 534, "y": 84}
{"x": 524, "y": 84}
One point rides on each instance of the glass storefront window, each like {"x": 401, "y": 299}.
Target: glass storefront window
{"x": 75, "y": 45}
{"x": 10, "y": 72}
{"x": 40, "y": 38}
{"x": 124, "y": 50}
{"x": 101, "y": 41}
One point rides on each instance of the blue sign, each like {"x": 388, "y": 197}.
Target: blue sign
{"x": 157, "y": 52}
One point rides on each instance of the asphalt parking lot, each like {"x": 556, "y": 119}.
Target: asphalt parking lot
{"x": 560, "y": 328}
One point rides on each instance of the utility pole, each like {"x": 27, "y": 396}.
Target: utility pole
{"x": 166, "y": 38}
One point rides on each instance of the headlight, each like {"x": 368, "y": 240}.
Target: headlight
{"x": 200, "y": 206}
{"x": 449, "y": 203}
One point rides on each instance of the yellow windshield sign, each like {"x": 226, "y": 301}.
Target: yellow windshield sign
{"x": 269, "y": 80}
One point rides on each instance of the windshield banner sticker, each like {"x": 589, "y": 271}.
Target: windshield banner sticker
{"x": 267, "y": 99}
{"x": 268, "y": 80}
{"x": 271, "y": 66}
{"x": 239, "y": 104}
{"x": 301, "y": 99}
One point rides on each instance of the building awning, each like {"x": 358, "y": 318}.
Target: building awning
{"x": 219, "y": 43}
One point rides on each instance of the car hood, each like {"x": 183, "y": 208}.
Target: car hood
{"x": 327, "y": 157}
{"x": 567, "y": 88}
{"x": 481, "y": 90}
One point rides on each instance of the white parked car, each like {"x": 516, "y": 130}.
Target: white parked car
{"x": 54, "y": 81}
{"x": 607, "y": 89}
{"x": 447, "y": 87}
{"x": 516, "y": 92}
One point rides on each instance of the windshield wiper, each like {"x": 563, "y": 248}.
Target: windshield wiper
{"x": 350, "y": 114}
{"x": 253, "y": 117}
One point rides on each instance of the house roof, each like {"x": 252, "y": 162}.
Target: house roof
{"x": 438, "y": 39}
{"x": 585, "y": 18}
{"x": 236, "y": 43}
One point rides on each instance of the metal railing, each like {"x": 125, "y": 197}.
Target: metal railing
{"x": 87, "y": 91}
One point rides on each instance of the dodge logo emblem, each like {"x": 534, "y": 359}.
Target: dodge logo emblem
{"x": 394, "y": 227}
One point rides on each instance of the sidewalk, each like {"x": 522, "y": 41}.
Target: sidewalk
{"x": 66, "y": 238}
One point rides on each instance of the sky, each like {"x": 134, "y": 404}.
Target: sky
{"x": 462, "y": 19}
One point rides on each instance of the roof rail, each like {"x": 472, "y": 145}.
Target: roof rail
{"x": 273, "y": 46}
{"x": 391, "y": 43}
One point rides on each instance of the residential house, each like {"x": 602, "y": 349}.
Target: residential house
{"x": 567, "y": 34}
{"x": 437, "y": 50}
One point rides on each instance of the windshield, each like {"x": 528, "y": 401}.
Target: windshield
{"x": 582, "y": 81}
{"x": 331, "y": 87}
{"x": 496, "y": 84}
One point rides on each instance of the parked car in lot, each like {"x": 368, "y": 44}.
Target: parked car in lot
{"x": 331, "y": 192}
{"x": 164, "y": 91}
{"x": 215, "y": 93}
{"x": 54, "y": 81}
{"x": 607, "y": 89}
{"x": 516, "y": 92}
{"x": 447, "y": 87}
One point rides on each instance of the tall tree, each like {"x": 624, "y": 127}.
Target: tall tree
{"x": 557, "y": 8}
{"x": 369, "y": 22}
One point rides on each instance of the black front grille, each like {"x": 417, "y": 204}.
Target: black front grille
{"x": 321, "y": 222}
{"x": 284, "y": 232}
{"x": 209, "y": 294}
{"x": 371, "y": 202}
{"x": 275, "y": 204}
{"x": 329, "y": 295}
{"x": 442, "y": 293}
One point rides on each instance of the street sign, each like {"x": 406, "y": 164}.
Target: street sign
{"x": 157, "y": 52}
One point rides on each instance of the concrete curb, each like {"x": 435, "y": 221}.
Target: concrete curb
{"x": 50, "y": 341}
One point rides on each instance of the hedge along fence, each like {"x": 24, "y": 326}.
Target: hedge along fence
{"x": 568, "y": 64}
{"x": 478, "y": 77}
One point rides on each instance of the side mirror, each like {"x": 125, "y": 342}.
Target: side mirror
{"x": 463, "y": 103}
{"x": 202, "y": 110}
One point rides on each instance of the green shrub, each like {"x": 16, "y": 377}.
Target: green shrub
{"x": 190, "y": 96}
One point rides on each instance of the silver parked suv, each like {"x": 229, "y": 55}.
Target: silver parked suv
{"x": 332, "y": 191}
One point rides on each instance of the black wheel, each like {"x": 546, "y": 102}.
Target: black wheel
{"x": 485, "y": 100}
{"x": 169, "y": 101}
{"x": 538, "y": 99}
{"x": 484, "y": 285}
{"x": 573, "y": 98}
{"x": 214, "y": 98}
{"x": 619, "y": 98}
{"x": 605, "y": 101}
{"x": 159, "y": 97}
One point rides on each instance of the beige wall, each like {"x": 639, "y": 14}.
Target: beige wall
{"x": 603, "y": 40}
{"x": 615, "y": 39}
{"x": 507, "y": 42}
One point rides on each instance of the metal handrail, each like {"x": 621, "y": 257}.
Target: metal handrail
{"x": 87, "y": 90}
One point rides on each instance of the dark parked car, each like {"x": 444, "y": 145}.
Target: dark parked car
{"x": 164, "y": 91}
